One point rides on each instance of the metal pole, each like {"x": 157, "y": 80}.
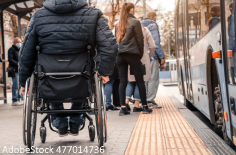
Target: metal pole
{"x": 3, "y": 55}
{"x": 19, "y": 27}
{"x": 144, "y": 9}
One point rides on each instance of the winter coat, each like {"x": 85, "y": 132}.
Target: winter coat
{"x": 153, "y": 28}
{"x": 133, "y": 41}
{"x": 148, "y": 43}
{"x": 67, "y": 27}
{"x": 13, "y": 55}
{"x": 213, "y": 22}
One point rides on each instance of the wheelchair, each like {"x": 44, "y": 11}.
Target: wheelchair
{"x": 40, "y": 92}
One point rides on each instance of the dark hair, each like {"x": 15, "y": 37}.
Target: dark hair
{"x": 122, "y": 25}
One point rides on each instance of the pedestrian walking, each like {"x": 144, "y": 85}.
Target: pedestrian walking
{"x": 132, "y": 87}
{"x": 67, "y": 27}
{"x": 152, "y": 86}
{"x": 131, "y": 44}
{"x": 13, "y": 55}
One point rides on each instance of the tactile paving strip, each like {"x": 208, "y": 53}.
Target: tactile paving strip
{"x": 164, "y": 132}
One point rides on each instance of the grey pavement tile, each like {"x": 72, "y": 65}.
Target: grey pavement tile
{"x": 119, "y": 132}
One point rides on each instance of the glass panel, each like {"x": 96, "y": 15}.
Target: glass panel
{"x": 203, "y": 16}
{"x": 230, "y": 33}
{"x": 180, "y": 31}
{"x": 194, "y": 21}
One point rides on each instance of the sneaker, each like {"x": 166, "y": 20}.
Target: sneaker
{"x": 128, "y": 107}
{"x": 123, "y": 111}
{"x": 132, "y": 101}
{"x": 146, "y": 110}
{"x": 156, "y": 105}
{"x": 63, "y": 131}
{"x": 74, "y": 129}
{"x": 17, "y": 103}
{"x": 111, "y": 107}
{"x": 137, "y": 109}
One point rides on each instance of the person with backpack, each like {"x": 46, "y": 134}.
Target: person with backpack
{"x": 157, "y": 59}
{"x": 67, "y": 27}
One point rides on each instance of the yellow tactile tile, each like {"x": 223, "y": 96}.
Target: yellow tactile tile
{"x": 163, "y": 132}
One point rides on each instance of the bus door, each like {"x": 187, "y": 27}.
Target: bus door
{"x": 229, "y": 52}
{"x": 187, "y": 57}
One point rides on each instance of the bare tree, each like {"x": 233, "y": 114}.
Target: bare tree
{"x": 115, "y": 9}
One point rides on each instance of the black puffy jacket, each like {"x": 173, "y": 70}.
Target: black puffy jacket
{"x": 133, "y": 43}
{"x": 13, "y": 57}
{"x": 67, "y": 27}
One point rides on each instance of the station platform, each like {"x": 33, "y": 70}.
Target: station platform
{"x": 173, "y": 129}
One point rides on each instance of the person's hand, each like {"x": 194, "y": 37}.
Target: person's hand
{"x": 18, "y": 64}
{"x": 163, "y": 67}
{"x": 163, "y": 61}
{"x": 105, "y": 79}
{"x": 22, "y": 90}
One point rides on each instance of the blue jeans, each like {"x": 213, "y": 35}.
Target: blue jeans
{"x": 132, "y": 89}
{"x": 15, "y": 88}
{"x": 61, "y": 122}
{"x": 108, "y": 91}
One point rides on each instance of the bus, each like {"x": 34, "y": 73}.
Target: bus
{"x": 206, "y": 60}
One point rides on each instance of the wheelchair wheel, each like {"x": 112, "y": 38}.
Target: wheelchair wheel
{"x": 31, "y": 113}
{"x": 104, "y": 113}
{"x": 43, "y": 134}
{"x": 24, "y": 125}
{"x": 98, "y": 112}
{"x": 91, "y": 129}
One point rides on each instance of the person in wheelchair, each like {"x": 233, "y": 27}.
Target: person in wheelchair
{"x": 67, "y": 27}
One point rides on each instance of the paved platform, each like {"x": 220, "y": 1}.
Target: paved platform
{"x": 166, "y": 131}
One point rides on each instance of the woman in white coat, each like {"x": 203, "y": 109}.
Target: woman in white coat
{"x": 132, "y": 88}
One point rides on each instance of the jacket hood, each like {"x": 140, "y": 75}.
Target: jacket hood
{"x": 147, "y": 22}
{"x": 64, "y": 6}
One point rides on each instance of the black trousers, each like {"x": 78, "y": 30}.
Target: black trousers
{"x": 134, "y": 61}
{"x": 116, "y": 98}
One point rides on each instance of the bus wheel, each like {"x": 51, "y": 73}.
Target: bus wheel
{"x": 220, "y": 123}
{"x": 218, "y": 111}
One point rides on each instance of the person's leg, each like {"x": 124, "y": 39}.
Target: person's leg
{"x": 123, "y": 73}
{"x": 116, "y": 99}
{"x": 137, "y": 96}
{"x": 59, "y": 122}
{"x": 129, "y": 92}
{"x": 18, "y": 93}
{"x": 153, "y": 85}
{"x": 108, "y": 92}
{"x": 136, "y": 66}
{"x": 76, "y": 120}
{"x": 14, "y": 89}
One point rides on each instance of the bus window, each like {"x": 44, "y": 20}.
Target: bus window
{"x": 180, "y": 31}
{"x": 230, "y": 31}
{"x": 203, "y": 16}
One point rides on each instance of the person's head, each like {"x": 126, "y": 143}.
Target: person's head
{"x": 152, "y": 15}
{"x": 17, "y": 42}
{"x": 215, "y": 11}
{"x": 231, "y": 6}
{"x": 122, "y": 25}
